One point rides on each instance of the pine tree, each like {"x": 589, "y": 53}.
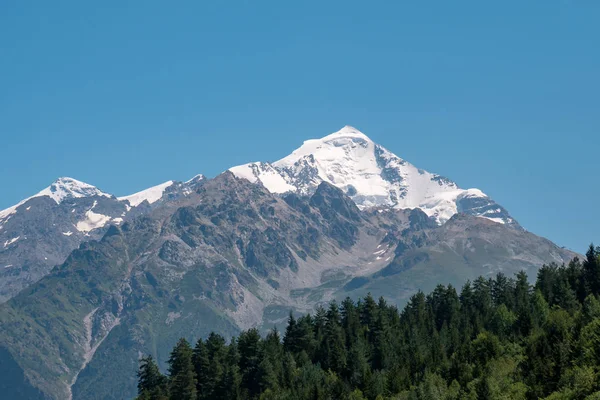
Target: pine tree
{"x": 522, "y": 295}
{"x": 201, "y": 362}
{"x": 382, "y": 352}
{"x": 368, "y": 315}
{"x": 468, "y": 315}
{"x": 305, "y": 339}
{"x": 482, "y": 295}
{"x": 502, "y": 291}
{"x": 350, "y": 321}
{"x": 289, "y": 370}
{"x": 335, "y": 348}
{"x": 591, "y": 271}
{"x": 230, "y": 385}
{"x": 266, "y": 375}
{"x": 358, "y": 369}
{"x": 181, "y": 372}
{"x": 249, "y": 347}
{"x": 291, "y": 339}
{"x": 217, "y": 352}
{"x": 320, "y": 320}
{"x": 591, "y": 309}
{"x": 152, "y": 384}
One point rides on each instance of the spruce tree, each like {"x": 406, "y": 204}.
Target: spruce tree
{"x": 181, "y": 372}
{"x": 152, "y": 384}
{"x": 305, "y": 340}
{"x": 249, "y": 347}
{"x": 591, "y": 271}
{"x": 230, "y": 385}
{"x": 335, "y": 348}
{"x": 201, "y": 362}
{"x": 291, "y": 338}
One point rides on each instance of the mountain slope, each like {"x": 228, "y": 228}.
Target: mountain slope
{"x": 372, "y": 176}
{"x": 462, "y": 249}
{"x": 41, "y": 231}
{"x": 228, "y": 256}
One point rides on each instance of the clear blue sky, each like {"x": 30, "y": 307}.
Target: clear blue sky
{"x": 503, "y": 96}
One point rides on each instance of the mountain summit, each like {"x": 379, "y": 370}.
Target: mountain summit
{"x": 64, "y": 188}
{"x": 372, "y": 176}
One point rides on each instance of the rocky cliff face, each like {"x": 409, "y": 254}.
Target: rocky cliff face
{"x": 225, "y": 256}
{"x": 41, "y": 231}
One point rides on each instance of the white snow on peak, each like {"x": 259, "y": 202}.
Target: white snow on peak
{"x": 151, "y": 195}
{"x": 347, "y": 132}
{"x": 60, "y": 190}
{"x": 69, "y": 188}
{"x": 347, "y": 143}
{"x": 470, "y": 193}
{"x": 370, "y": 174}
{"x": 267, "y": 174}
{"x": 92, "y": 220}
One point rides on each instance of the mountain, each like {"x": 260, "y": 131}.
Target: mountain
{"x": 31, "y": 243}
{"x": 41, "y": 231}
{"x": 228, "y": 256}
{"x": 93, "y": 282}
{"x": 372, "y": 176}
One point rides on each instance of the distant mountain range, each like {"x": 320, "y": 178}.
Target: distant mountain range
{"x": 94, "y": 281}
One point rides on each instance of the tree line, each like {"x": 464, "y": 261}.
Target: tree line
{"x": 499, "y": 338}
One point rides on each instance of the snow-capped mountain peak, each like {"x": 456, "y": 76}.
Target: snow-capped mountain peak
{"x": 371, "y": 175}
{"x": 347, "y": 132}
{"x": 69, "y": 188}
{"x": 61, "y": 189}
{"x": 343, "y": 144}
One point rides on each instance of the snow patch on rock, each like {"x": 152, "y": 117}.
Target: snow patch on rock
{"x": 92, "y": 220}
{"x": 11, "y": 241}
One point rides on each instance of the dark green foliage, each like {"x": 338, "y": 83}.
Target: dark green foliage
{"x": 181, "y": 372}
{"x": 152, "y": 385}
{"x": 205, "y": 385}
{"x": 499, "y": 338}
{"x": 591, "y": 270}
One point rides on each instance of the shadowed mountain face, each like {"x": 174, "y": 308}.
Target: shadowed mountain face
{"x": 229, "y": 255}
